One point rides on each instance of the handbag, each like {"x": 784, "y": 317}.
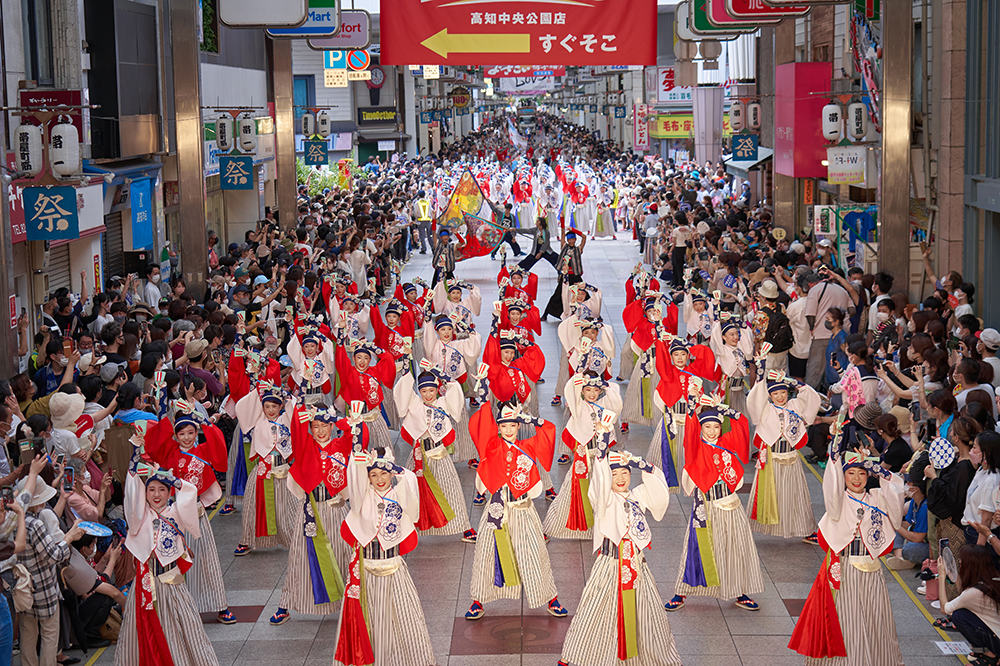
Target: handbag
{"x": 112, "y": 627}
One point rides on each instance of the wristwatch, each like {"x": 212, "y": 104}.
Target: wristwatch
{"x": 990, "y": 538}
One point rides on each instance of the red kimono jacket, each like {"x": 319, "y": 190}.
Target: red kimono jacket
{"x": 706, "y": 463}
{"x": 313, "y": 464}
{"x": 496, "y": 468}
{"x": 365, "y": 385}
{"x": 673, "y": 381}
{"x": 391, "y": 339}
{"x": 198, "y": 464}
{"x": 507, "y": 381}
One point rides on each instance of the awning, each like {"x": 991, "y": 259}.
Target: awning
{"x": 742, "y": 168}
{"x": 139, "y": 168}
{"x": 381, "y": 135}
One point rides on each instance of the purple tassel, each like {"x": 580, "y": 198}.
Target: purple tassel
{"x": 320, "y": 595}
{"x": 497, "y": 569}
{"x": 694, "y": 572}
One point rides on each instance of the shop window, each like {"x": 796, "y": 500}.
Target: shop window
{"x": 36, "y": 19}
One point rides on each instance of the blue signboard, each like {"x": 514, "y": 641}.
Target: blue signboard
{"x": 334, "y": 59}
{"x": 142, "y": 213}
{"x": 236, "y": 172}
{"x": 425, "y": 117}
{"x": 50, "y": 213}
{"x": 745, "y": 147}
{"x": 619, "y": 112}
{"x": 593, "y": 108}
{"x": 317, "y": 152}
{"x": 323, "y": 21}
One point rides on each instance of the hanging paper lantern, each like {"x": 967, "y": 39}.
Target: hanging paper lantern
{"x": 831, "y": 122}
{"x": 64, "y": 149}
{"x": 323, "y": 124}
{"x": 308, "y": 124}
{"x": 28, "y": 149}
{"x": 736, "y": 111}
{"x": 857, "y": 120}
{"x": 248, "y": 135}
{"x": 754, "y": 116}
{"x": 224, "y": 134}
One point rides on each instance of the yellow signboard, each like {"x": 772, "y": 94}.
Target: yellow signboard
{"x": 679, "y": 126}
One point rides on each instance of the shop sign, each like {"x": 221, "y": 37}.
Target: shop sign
{"x": 316, "y": 153}
{"x": 640, "y": 127}
{"x": 846, "y": 165}
{"x": 142, "y": 213}
{"x": 369, "y": 116}
{"x": 236, "y": 172}
{"x": 446, "y": 32}
{"x": 50, "y": 213}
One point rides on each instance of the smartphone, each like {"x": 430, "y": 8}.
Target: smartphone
{"x": 7, "y": 494}
{"x": 943, "y": 545}
{"x": 69, "y": 479}
{"x": 61, "y": 459}
{"x": 953, "y": 342}
{"x": 67, "y": 348}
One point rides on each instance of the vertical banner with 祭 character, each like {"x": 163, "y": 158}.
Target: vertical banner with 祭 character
{"x": 467, "y": 32}
{"x": 236, "y": 172}
{"x": 640, "y": 127}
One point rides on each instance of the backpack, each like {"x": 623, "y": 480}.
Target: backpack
{"x": 779, "y": 331}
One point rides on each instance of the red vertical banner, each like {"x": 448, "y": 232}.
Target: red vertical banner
{"x": 518, "y": 32}
{"x": 15, "y": 207}
{"x": 799, "y": 146}
{"x": 13, "y": 311}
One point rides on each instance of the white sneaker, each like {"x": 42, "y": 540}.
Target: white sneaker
{"x": 935, "y": 604}
{"x": 922, "y": 589}
{"x": 899, "y": 564}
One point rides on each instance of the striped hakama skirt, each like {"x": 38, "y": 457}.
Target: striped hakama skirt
{"x": 395, "y": 617}
{"x": 866, "y": 619}
{"x": 626, "y": 362}
{"x": 204, "y": 578}
{"x": 654, "y": 455}
{"x": 639, "y": 407}
{"x": 378, "y": 430}
{"x": 443, "y": 469}
{"x": 297, "y": 592}
{"x": 592, "y": 636}
{"x": 558, "y": 514}
{"x": 391, "y": 411}
{"x": 285, "y": 505}
{"x": 603, "y": 226}
{"x": 735, "y": 553}
{"x": 795, "y": 510}
{"x": 563, "y": 372}
{"x": 465, "y": 448}
{"x": 530, "y": 556}
{"x": 182, "y": 627}
{"x": 737, "y": 394}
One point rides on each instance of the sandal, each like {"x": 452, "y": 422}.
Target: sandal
{"x": 227, "y": 617}
{"x": 556, "y": 609}
{"x": 746, "y": 603}
{"x": 227, "y": 509}
{"x": 280, "y": 616}
{"x": 676, "y": 603}
{"x": 475, "y": 611}
{"x": 241, "y": 550}
{"x": 945, "y": 623}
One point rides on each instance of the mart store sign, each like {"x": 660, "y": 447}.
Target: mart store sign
{"x": 679, "y": 126}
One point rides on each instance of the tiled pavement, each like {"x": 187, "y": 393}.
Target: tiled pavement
{"x": 707, "y": 632}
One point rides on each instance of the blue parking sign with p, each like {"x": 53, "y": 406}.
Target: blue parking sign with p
{"x": 334, "y": 59}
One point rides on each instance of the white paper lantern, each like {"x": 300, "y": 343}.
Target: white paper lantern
{"x": 64, "y": 149}
{"x": 857, "y": 120}
{"x": 308, "y": 124}
{"x": 754, "y": 116}
{"x": 736, "y": 115}
{"x": 224, "y": 134}
{"x": 831, "y": 122}
{"x": 248, "y": 135}
{"x": 323, "y": 124}
{"x": 28, "y": 149}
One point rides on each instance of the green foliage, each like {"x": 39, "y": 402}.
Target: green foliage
{"x": 210, "y": 42}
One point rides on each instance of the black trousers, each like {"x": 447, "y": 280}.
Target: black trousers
{"x": 677, "y": 258}
{"x": 441, "y": 274}
{"x": 975, "y": 630}
{"x": 531, "y": 260}
{"x": 509, "y": 239}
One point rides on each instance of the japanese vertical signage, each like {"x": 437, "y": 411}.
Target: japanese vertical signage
{"x": 142, "y": 213}
{"x": 316, "y": 152}
{"x": 13, "y": 311}
{"x": 15, "y": 207}
{"x": 236, "y": 172}
{"x": 50, "y": 213}
{"x": 640, "y": 127}
{"x": 445, "y": 32}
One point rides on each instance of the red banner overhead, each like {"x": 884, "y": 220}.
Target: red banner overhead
{"x": 519, "y": 32}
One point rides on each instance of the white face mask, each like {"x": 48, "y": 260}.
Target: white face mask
{"x": 882, "y": 317}
{"x": 155, "y": 279}
{"x": 86, "y": 477}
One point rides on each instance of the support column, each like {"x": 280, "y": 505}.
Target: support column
{"x": 190, "y": 135}
{"x": 785, "y": 187}
{"x": 284, "y": 151}
{"x": 897, "y": 110}
{"x": 9, "y": 365}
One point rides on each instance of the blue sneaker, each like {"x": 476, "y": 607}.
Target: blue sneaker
{"x": 475, "y": 611}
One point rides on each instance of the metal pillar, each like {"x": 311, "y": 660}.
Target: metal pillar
{"x": 284, "y": 151}
{"x": 9, "y": 360}
{"x": 897, "y": 110}
{"x": 190, "y": 135}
